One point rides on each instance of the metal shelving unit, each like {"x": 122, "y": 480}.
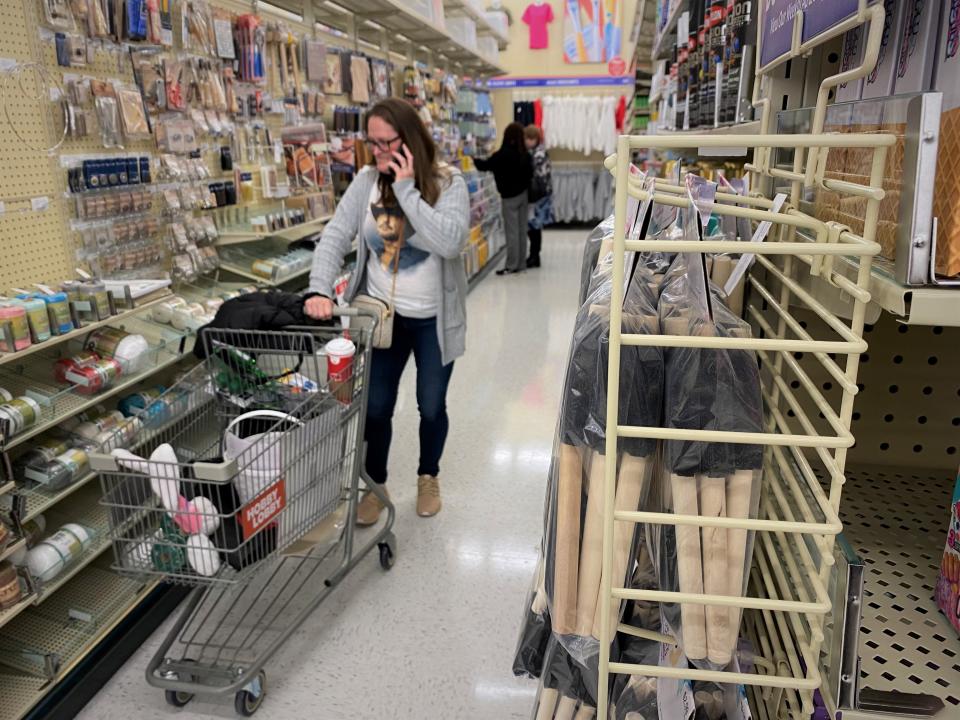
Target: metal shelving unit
{"x": 295, "y": 232}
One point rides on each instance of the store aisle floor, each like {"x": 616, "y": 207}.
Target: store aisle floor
{"x": 433, "y": 639}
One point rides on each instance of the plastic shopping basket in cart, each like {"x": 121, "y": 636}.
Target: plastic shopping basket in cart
{"x": 248, "y": 492}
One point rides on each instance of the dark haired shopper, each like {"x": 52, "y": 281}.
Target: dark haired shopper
{"x": 410, "y": 215}
{"x": 541, "y": 192}
{"x": 512, "y": 169}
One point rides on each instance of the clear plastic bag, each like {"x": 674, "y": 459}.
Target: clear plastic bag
{"x": 706, "y": 389}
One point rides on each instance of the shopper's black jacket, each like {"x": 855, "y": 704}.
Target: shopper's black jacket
{"x": 512, "y": 170}
{"x": 273, "y": 310}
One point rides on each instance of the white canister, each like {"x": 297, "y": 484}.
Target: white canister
{"x": 163, "y": 312}
{"x": 51, "y": 556}
{"x": 130, "y": 350}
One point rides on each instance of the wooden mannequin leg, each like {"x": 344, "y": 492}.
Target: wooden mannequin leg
{"x": 630, "y": 483}
{"x": 567, "y": 540}
{"x": 689, "y": 567}
{"x": 591, "y": 551}
{"x": 585, "y": 713}
{"x": 548, "y": 702}
{"x": 566, "y": 708}
{"x": 713, "y": 500}
{"x": 739, "y": 493}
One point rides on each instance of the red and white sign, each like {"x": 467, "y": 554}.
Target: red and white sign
{"x": 259, "y": 512}
{"x": 617, "y": 66}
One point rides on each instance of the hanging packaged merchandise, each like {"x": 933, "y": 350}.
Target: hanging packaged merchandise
{"x": 108, "y": 116}
{"x": 136, "y": 125}
{"x": 58, "y": 15}
{"x": 173, "y": 72}
{"x": 333, "y": 80}
{"x": 381, "y": 78}
{"x": 315, "y": 60}
{"x": 197, "y": 27}
{"x": 715, "y": 390}
{"x": 223, "y": 34}
{"x": 148, "y": 71}
{"x": 251, "y": 46}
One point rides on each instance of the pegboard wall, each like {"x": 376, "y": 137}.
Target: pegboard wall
{"x": 907, "y": 410}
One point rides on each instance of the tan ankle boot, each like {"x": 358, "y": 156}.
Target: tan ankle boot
{"x": 428, "y": 496}
{"x": 369, "y": 509}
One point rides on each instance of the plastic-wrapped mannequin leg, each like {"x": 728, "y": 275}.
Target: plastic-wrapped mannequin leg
{"x": 567, "y": 540}
{"x": 535, "y": 631}
{"x": 713, "y": 497}
{"x": 585, "y": 713}
{"x": 591, "y": 552}
{"x": 739, "y": 494}
{"x": 689, "y": 567}
{"x": 565, "y": 708}
{"x": 548, "y": 703}
{"x": 633, "y": 476}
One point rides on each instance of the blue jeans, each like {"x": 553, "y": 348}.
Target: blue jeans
{"x": 418, "y": 336}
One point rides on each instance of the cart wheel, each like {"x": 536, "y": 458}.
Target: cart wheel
{"x": 386, "y": 556}
{"x": 177, "y": 699}
{"x": 247, "y": 702}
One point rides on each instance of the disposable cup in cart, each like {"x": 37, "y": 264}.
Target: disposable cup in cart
{"x": 340, "y": 353}
{"x": 255, "y": 488}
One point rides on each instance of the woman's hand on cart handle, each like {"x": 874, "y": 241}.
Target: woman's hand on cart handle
{"x": 318, "y": 307}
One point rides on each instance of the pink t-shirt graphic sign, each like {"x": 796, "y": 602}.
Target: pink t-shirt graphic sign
{"x": 537, "y": 16}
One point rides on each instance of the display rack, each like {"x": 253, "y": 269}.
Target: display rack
{"x": 790, "y": 596}
{"x": 903, "y": 418}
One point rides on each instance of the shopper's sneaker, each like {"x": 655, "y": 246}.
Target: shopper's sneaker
{"x": 369, "y": 509}
{"x": 428, "y": 496}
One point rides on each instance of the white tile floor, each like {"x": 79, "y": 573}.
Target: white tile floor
{"x": 434, "y": 638}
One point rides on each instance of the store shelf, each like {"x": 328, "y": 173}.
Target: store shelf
{"x": 400, "y": 19}
{"x": 100, "y": 595}
{"x": 7, "y": 487}
{"x": 39, "y": 501}
{"x": 244, "y": 273}
{"x": 747, "y": 128}
{"x": 69, "y": 404}
{"x": 483, "y": 27}
{"x": 79, "y": 333}
{"x": 11, "y": 548}
{"x": 297, "y": 232}
{"x": 12, "y": 612}
{"x": 665, "y": 41}
{"x": 906, "y": 645}
{"x": 492, "y": 262}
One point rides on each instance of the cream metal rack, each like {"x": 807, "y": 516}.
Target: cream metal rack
{"x": 798, "y": 520}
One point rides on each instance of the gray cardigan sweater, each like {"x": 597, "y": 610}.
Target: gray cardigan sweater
{"x": 442, "y": 229}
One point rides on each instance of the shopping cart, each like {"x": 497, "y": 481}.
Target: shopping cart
{"x": 242, "y": 481}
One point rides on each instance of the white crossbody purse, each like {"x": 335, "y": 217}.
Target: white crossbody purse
{"x": 383, "y": 332}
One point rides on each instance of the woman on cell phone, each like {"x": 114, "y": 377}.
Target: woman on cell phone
{"x": 410, "y": 215}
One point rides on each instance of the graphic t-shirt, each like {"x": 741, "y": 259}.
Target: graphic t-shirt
{"x": 537, "y": 15}
{"x": 386, "y": 232}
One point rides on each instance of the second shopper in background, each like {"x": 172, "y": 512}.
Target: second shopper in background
{"x": 512, "y": 169}
{"x": 540, "y": 194}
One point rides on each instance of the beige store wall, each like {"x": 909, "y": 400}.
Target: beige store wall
{"x": 520, "y": 61}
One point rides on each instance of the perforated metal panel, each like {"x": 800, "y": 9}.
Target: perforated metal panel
{"x": 907, "y": 412}
{"x": 896, "y": 518}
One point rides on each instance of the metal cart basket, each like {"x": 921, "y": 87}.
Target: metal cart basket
{"x": 242, "y": 481}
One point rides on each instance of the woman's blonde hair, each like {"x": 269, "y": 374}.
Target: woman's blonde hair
{"x": 532, "y": 132}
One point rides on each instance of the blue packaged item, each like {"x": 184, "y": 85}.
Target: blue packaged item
{"x": 58, "y": 305}
{"x": 146, "y": 405}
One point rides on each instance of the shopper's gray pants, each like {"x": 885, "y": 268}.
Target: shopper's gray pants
{"x": 515, "y": 228}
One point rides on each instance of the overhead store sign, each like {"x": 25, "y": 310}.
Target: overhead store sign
{"x": 818, "y": 17}
{"x": 589, "y": 80}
